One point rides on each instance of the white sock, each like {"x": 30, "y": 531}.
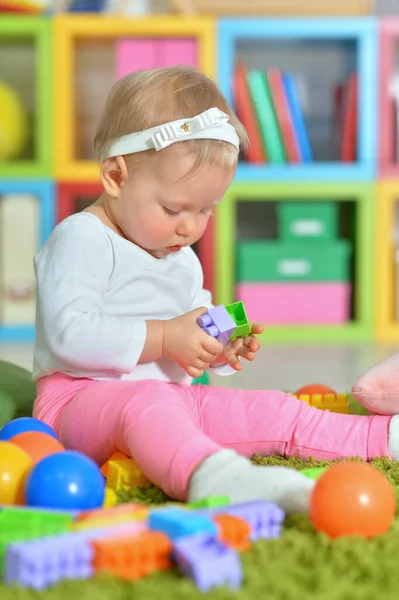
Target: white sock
{"x": 393, "y": 437}
{"x": 228, "y": 473}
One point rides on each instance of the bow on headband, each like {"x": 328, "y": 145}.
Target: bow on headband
{"x": 211, "y": 124}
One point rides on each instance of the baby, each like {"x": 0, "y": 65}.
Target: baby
{"x": 119, "y": 295}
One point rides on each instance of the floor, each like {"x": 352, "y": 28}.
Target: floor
{"x": 278, "y": 367}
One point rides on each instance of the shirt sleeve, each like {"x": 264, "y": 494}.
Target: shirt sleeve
{"x": 202, "y": 297}
{"x": 73, "y": 270}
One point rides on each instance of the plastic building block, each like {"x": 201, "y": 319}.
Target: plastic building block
{"x": 333, "y": 402}
{"x": 208, "y": 562}
{"x": 118, "y": 455}
{"x": 314, "y": 473}
{"x": 13, "y": 517}
{"x": 177, "y": 523}
{"x": 133, "y": 558}
{"x": 234, "y": 532}
{"x": 218, "y": 323}
{"x": 125, "y": 474}
{"x": 211, "y": 502}
{"x": 41, "y": 563}
{"x": 110, "y": 498}
{"x": 264, "y": 518}
{"x": 243, "y": 326}
{"x": 18, "y": 525}
{"x": 102, "y": 517}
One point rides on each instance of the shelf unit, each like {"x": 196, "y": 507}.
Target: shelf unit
{"x": 389, "y": 47}
{"x": 361, "y": 31}
{"x": 387, "y": 204}
{"x": 37, "y": 32}
{"x": 43, "y": 191}
{"x": 226, "y": 227}
{"x": 56, "y": 173}
{"x": 68, "y": 30}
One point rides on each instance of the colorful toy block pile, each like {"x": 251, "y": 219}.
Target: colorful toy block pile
{"x": 38, "y": 548}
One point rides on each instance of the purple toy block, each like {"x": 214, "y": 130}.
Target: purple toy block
{"x": 218, "y": 323}
{"x": 42, "y": 562}
{"x": 208, "y": 562}
{"x": 264, "y": 518}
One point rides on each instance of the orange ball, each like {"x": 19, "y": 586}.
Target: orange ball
{"x": 37, "y": 444}
{"x": 315, "y": 388}
{"x": 352, "y": 499}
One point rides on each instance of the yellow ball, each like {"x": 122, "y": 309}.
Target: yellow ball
{"x": 13, "y": 123}
{"x": 15, "y": 465}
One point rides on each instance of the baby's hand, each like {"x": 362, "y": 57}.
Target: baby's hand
{"x": 188, "y": 345}
{"x": 241, "y": 347}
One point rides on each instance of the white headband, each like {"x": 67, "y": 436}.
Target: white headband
{"x": 211, "y": 124}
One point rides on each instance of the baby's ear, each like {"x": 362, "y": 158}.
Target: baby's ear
{"x": 113, "y": 175}
{"x": 378, "y": 388}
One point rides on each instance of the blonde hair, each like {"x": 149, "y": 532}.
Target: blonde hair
{"x": 153, "y": 97}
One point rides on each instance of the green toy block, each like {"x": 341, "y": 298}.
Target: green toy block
{"x": 211, "y": 502}
{"x": 314, "y": 473}
{"x": 273, "y": 260}
{"x": 19, "y": 525}
{"x": 237, "y": 311}
{"x": 13, "y": 517}
{"x": 308, "y": 221}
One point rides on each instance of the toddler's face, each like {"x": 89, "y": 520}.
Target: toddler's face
{"x": 162, "y": 210}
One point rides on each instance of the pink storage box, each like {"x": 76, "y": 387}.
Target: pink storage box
{"x": 296, "y": 303}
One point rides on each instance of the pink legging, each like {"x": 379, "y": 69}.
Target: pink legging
{"x": 169, "y": 429}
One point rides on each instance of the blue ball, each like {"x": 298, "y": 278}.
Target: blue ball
{"x": 25, "y": 424}
{"x": 66, "y": 480}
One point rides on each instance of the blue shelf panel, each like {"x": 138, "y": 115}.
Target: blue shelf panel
{"x": 44, "y": 191}
{"x": 13, "y": 334}
{"x": 364, "y": 32}
{"x": 315, "y": 172}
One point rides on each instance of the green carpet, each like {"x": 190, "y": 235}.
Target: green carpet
{"x": 301, "y": 565}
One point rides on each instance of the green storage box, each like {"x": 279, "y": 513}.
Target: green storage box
{"x": 307, "y": 220}
{"x": 261, "y": 260}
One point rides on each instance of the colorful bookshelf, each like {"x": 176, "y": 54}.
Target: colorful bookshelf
{"x": 388, "y": 145}
{"x": 387, "y": 283}
{"x": 238, "y": 36}
{"x": 360, "y": 326}
{"x": 32, "y": 35}
{"x": 25, "y": 230}
{"x": 70, "y": 31}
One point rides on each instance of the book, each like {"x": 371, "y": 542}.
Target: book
{"x": 302, "y": 137}
{"x": 266, "y": 117}
{"x": 284, "y": 116}
{"x": 246, "y": 113}
{"x": 349, "y": 128}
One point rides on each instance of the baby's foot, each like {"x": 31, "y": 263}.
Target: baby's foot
{"x": 378, "y": 388}
{"x": 228, "y": 473}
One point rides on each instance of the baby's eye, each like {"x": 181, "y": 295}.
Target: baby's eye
{"x": 170, "y": 212}
{"x": 208, "y": 211}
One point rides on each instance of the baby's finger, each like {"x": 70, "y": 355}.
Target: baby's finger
{"x": 246, "y": 353}
{"x": 211, "y": 345}
{"x": 193, "y": 372}
{"x": 252, "y": 343}
{"x": 207, "y": 357}
{"x": 257, "y": 328}
{"x": 201, "y": 364}
{"x": 234, "y": 362}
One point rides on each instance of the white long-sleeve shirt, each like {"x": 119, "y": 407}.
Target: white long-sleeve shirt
{"x": 95, "y": 291}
